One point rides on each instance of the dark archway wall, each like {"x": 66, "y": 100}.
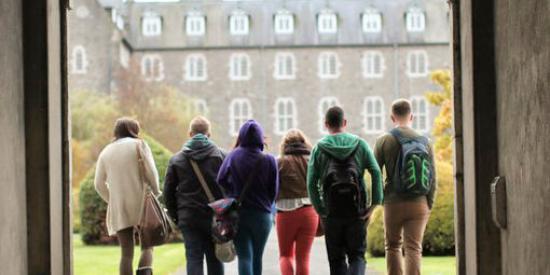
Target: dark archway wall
{"x": 13, "y": 233}
{"x": 34, "y": 173}
{"x": 522, "y": 54}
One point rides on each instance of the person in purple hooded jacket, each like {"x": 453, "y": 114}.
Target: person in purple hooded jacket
{"x": 255, "y": 215}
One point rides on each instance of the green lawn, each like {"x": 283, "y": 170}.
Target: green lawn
{"x": 94, "y": 260}
{"x": 430, "y": 265}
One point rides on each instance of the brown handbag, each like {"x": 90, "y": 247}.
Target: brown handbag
{"x": 154, "y": 227}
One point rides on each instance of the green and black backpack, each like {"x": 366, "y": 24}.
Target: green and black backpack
{"x": 414, "y": 168}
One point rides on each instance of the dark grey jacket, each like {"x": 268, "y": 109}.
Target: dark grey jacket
{"x": 185, "y": 198}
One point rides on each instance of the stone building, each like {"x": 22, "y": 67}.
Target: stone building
{"x": 280, "y": 62}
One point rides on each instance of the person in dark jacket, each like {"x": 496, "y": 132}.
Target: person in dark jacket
{"x": 255, "y": 215}
{"x": 297, "y": 221}
{"x": 186, "y": 200}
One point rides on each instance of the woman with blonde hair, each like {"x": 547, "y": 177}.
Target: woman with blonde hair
{"x": 296, "y": 219}
{"x": 121, "y": 183}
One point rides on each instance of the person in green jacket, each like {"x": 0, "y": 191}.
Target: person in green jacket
{"x": 345, "y": 233}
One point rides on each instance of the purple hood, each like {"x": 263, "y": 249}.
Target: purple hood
{"x": 239, "y": 164}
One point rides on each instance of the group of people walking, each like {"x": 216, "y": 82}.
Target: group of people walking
{"x": 306, "y": 192}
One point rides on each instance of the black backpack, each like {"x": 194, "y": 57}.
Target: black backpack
{"x": 342, "y": 189}
{"x": 414, "y": 170}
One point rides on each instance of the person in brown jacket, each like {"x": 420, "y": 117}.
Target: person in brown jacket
{"x": 296, "y": 219}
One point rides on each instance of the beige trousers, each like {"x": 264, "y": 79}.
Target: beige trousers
{"x": 405, "y": 222}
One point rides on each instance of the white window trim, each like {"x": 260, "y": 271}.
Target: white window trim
{"x": 371, "y": 21}
{"x": 151, "y": 18}
{"x": 279, "y": 18}
{"x": 79, "y": 49}
{"x": 415, "y": 100}
{"x": 415, "y": 14}
{"x": 329, "y": 101}
{"x": 233, "y": 20}
{"x": 280, "y": 60}
{"x": 152, "y": 58}
{"x": 201, "y": 104}
{"x": 242, "y": 117}
{"x": 290, "y": 107}
{"x": 124, "y": 56}
{"x": 368, "y": 61}
{"x": 199, "y": 21}
{"x": 245, "y": 73}
{"x": 416, "y": 55}
{"x": 325, "y": 57}
{"x": 366, "y": 115}
{"x": 191, "y": 62}
{"x": 331, "y": 18}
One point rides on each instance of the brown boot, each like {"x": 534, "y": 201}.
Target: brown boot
{"x": 146, "y": 270}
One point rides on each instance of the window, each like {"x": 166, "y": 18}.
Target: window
{"x": 373, "y": 115}
{"x": 283, "y": 22}
{"x": 327, "y": 22}
{"x": 195, "y": 24}
{"x": 239, "y": 112}
{"x": 417, "y": 64}
{"x": 151, "y": 24}
{"x": 324, "y": 105}
{"x": 79, "y": 60}
{"x": 415, "y": 20}
{"x": 120, "y": 23}
{"x": 372, "y": 21}
{"x": 239, "y": 23}
{"x": 195, "y": 68}
{"x": 328, "y": 65}
{"x": 373, "y": 64}
{"x": 284, "y": 66}
{"x": 239, "y": 67}
{"x": 124, "y": 55}
{"x": 285, "y": 115}
{"x": 152, "y": 68}
{"x": 201, "y": 107}
{"x": 421, "y": 114}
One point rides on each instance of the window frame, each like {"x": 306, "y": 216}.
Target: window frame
{"x": 281, "y": 69}
{"x": 160, "y": 70}
{"x": 149, "y": 19}
{"x": 233, "y": 23}
{"x": 371, "y": 17}
{"x": 289, "y": 117}
{"x": 191, "y": 68}
{"x": 324, "y": 62}
{"x": 328, "y": 101}
{"x": 415, "y": 20}
{"x": 236, "y": 70}
{"x": 327, "y": 17}
{"x": 374, "y": 115}
{"x": 191, "y": 20}
{"x": 417, "y": 114}
{"x": 413, "y": 63}
{"x": 368, "y": 64}
{"x": 79, "y": 51}
{"x": 242, "y": 116}
{"x": 278, "y": 19}
{"x": 200, "y": 106}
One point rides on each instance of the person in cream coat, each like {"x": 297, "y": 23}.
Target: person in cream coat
{"x": 121, "y": 183}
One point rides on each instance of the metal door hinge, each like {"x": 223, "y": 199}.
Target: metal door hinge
{"x": 498, "y": 202}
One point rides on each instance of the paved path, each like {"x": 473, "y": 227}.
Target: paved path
{"x": 318, "y": 260}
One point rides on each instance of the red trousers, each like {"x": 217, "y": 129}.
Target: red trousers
{"x": 296, "y": 230}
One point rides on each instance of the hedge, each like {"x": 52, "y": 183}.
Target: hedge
{"x": 93, "y": 209}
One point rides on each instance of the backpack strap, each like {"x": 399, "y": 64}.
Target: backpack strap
{"x": 201, "y": 179}
{"x": 249, "y": 180}
{"x": 397, "y": 134}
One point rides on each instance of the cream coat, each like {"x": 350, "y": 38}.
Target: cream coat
{"x": 118, "y": 181}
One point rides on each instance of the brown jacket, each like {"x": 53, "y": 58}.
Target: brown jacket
{"x": 292, "y": 174}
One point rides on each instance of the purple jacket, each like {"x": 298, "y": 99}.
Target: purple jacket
{"x": 239, "y": 164}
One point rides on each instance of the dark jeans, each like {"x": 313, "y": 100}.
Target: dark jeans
{"x": 254, "y": 227}
{"x": 346, "y": 237}
{"x": 199, "y": 244}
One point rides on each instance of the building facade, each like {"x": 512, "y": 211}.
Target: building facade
{"x": 280, "y": 62}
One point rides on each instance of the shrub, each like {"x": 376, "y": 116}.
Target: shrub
{"x": 93, "y": 209}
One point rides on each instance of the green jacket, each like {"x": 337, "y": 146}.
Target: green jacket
{"x": 341, "y": 146}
